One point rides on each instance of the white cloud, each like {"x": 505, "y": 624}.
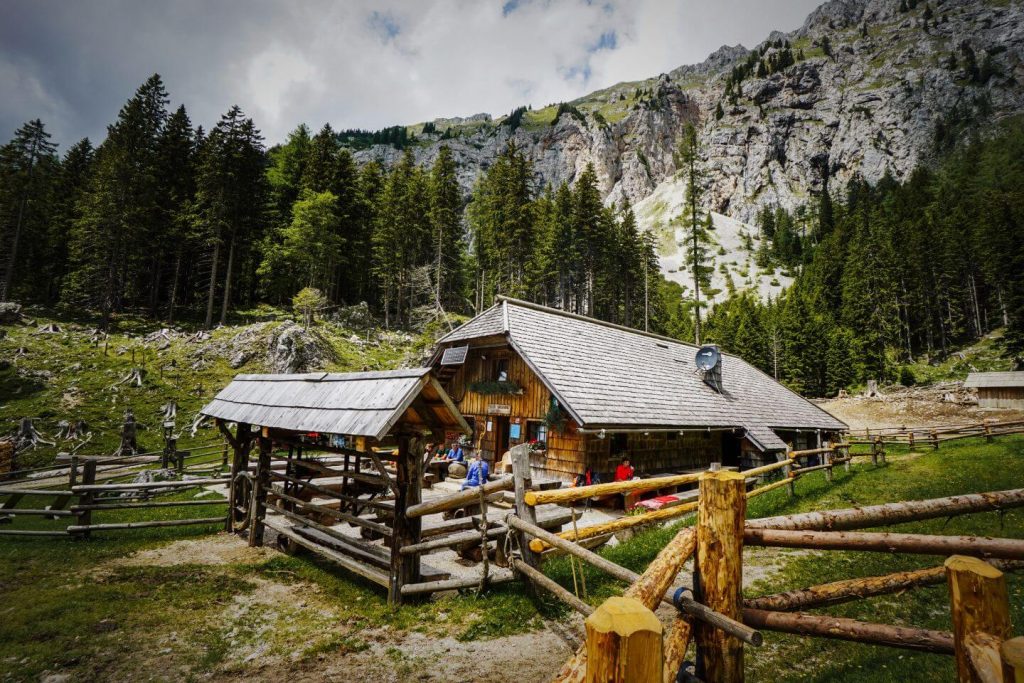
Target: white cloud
{"x": 361, "y": 63}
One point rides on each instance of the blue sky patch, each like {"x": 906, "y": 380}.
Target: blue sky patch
{"x": 384, "y": 25}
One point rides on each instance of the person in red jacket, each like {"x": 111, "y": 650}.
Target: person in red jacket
{"x": 624, "y": 472}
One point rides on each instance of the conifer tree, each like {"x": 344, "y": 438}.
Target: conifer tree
{"x": 687, "y": 159}
{"x": 28, "y": 167}
{"x": 446, "y": 225}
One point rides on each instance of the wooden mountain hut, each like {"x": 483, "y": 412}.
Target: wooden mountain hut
{"x": 998, "y": 389}
{"x": 335, "y": 452}
{"x": 588, "y": 393}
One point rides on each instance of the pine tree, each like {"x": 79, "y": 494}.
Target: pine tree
{"x": 446, "y": 225}
{"x": 76, "y": 168}
{"x": 27, "y": 170}
{"x": 231, "y": 195}
{"x": 687, "y": 159}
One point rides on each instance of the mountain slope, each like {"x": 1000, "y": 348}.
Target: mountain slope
{"x": 872, "y": 90}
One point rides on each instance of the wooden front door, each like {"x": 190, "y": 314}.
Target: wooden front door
{"x": 500, "y": 437}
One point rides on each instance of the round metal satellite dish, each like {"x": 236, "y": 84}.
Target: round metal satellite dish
{"x": 707, "y": 358}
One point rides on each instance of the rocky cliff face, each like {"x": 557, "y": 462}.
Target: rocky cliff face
{"x": 873, "y": 90}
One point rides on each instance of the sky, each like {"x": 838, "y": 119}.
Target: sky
{"x": 352, "y": 63}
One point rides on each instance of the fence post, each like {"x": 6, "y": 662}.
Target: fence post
{"x": 988, "y": 432}
{"x": 935, "y": 440}
{"x": 87, "y": 498}
{"x": 405, "y": 530}
{"x": 1013, "y": 658}
{"x": 718, "y": 573}
{"x": 980, "y": 607}
{"x": 910, "y": 440}
{"x": 827, "y": 460}
{"x": 73, "y": 472}
{"x": 624, "y": 643}
{"x": 523, "y": 482}
{"x": 846, "y": 454}
{"x": 787, "y": 471}
{"x": 260, "y": 484}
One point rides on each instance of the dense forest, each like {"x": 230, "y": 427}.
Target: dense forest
{"x": 170, "y": 221}
{"x": 178, "y": 223}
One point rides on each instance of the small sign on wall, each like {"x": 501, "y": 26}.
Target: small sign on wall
{"x": 490, "y": 426}
{"x": 498, "y": 409}
{"x": 514, "y": 431}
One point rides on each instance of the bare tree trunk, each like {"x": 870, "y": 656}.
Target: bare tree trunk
{"x": 227, "y": 282}
{"x": 213, "y": 284}
{"x": 174, "y": 288}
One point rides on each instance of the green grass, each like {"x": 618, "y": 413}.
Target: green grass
{"x": 987, "y": 355}
{"x": 962, "y": 467}
{"x": 66, "y": 377}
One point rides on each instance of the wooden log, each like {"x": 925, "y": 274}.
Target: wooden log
{"x": 15, "y": 491}
{"x": 922, "y": 544}
{"x": 87, "y": 498}
{"x": 538, "y": 579}
{"x": 154, "y": 504}
{"x": 339, "y": 558}
{"x": 14, "y": 512}
{"x": 676, "y": 643}
{"x": 405, "y": 569}
{"x": 452, "y": 584}
{"x": 619, "y": 524}
{"x": 838, "y": 592}
{"x": 718, "y": 572}
{"x": 649, "y": 590}
{"x": 523, "y": 479}
{"x": 623, "y": 643}
{"x": 261, "y": 484}
{"x": 28, "y": 532}
{"x": 143, "y": 525}
{"x": 376, "y": 527}
{"x": 765, "y": 469}
{"x": 894, "y": 513}
{"x": 497, "y": 531}
{"x": 1012, "y": 652}
{"x": 598, "y": 490}
{"x": 460, "y": 499}
{"x": 980, "y": 605}
{"x": 149, "y": 486}
{"x": 768, "y": 487}
{"x": 386, "y": 507}
{"x": 703, "y": 613}
{"x": 840, "y": 628}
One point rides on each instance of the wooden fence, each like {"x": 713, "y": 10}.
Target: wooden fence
{"x": 72, "y": 492}
{"x": 917, "y": 437}
{"x": 625, "y": 642}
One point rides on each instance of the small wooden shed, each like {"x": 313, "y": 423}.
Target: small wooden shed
{"x": 375, "y": 422}
{"x": 998, "y": 389}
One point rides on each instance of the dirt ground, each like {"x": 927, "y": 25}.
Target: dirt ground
{"x": 909, "y": 408}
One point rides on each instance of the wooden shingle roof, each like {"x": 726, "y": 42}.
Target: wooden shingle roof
{"x": 995, "y": 380}
{"x": 355, "y": 403}
{"x": 609, "y": 376}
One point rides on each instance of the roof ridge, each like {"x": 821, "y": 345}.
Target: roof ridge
{"x": 597, "y": 321}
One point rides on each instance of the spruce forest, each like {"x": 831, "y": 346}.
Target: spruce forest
{"x": 185, "y": 225}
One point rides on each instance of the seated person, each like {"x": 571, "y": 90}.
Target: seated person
{"x": 477, "y": 473}
{"x": 624, "y": 472}
{"x": 455, "y": 453}
{"x": 587, "y": 478}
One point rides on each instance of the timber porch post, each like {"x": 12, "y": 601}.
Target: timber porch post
{"x": 260, "y": 485}
{"x": 406, "y": 531}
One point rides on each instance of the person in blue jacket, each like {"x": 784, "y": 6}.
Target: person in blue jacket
{"x": 455, "y": 453}
{"x": 477, "y": 473}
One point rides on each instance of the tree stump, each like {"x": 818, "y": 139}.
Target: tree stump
{"x": 623, "y": 643}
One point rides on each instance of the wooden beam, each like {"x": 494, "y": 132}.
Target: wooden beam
{"x": 922, "y": 544}
{"x": 523, "y": 479}
{"x": 452, "y": 584}
{"x": 624, "y": 643}
{"x": 980, "y": 607}
{"x": 405, "y": 569}
{"x": 840, "y": 628}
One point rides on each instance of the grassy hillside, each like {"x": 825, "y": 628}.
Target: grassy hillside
{"x": 72, "y": 376}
